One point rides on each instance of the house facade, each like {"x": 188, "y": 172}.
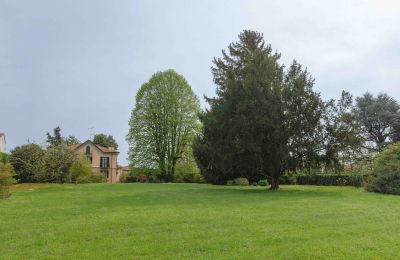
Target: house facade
{"x": 2, "y": 142}
{"x": 103, "y": 159}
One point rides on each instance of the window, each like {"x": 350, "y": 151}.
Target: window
{"x": 88, "y": 149}
{"x": 104, "y": 162}
{"x": 89, "y": 158}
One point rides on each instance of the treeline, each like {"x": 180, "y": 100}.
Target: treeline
{"x": 266, "y": 121}
{"x": 55, "y": 162}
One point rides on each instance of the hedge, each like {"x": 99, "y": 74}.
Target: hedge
{"x": 331, "y": 180}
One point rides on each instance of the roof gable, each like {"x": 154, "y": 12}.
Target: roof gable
{"x": 102, "y": 149}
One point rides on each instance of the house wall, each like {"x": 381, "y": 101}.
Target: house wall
{"x": 96, "y": 154}
{"x": 2, "y": 144}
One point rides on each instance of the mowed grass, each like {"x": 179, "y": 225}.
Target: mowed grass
{"x": 173, "y": 221}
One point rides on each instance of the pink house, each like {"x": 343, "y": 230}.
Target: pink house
{"x": 103, "y": 159}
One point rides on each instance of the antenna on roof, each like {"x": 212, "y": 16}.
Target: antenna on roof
{"x": 91, "y": 132}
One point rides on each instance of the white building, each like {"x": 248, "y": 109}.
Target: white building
{"x": 2, "y": 143}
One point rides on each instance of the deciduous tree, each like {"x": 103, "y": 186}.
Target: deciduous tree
{"x": 162, "y": 123}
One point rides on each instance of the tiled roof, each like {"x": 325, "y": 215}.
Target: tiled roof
{"x": 106, "y": 149}
{"x": 101, "y": 148}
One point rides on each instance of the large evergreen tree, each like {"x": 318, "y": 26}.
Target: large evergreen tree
{"x": 262, "y": 117}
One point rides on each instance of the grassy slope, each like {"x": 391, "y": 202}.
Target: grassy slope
{"x": 189, "y": 220}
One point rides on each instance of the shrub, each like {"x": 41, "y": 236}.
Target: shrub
{"x": 287, "y": 179}
{"x": 263, "y": 182}
{"x": 3, "y": 157}
{"x": 80, "y": 171}
{"x": 241, "y": 181}
{"x": 97, "y": 177}
{"x": 385, "y": 177}
{"x": 28, "y": 163}
{"x": 330, "y": 180}
{"x": 122, "y": 177}
{"x": 229, "y": 182}
{"x": 58, "y": 160}
{"x": 131, "y": 178}
{"x": 6, "y": 179}
{"x": 142, "y": 178}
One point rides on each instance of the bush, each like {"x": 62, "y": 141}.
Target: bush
{"x": 3, "y": 157}
{"x": 97, "y": 177}
{"x": 6, "y": 179}
{"x": 142, "y": 178}
{"x": 241, "y": 181}
{"x": 287, "y": 180}
{"x": 28, "y": 162}
{"x": 385, "y": 177}
{"x": 263, "y": 182}
{"x": 229, "y": 182}
{"x": 131, "y": 178}
{"x": 58, "y": 160}
{"x": 80, "y": 171}
{"x": 330, "y": 180}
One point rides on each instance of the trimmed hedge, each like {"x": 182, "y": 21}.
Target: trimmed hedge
{"x": 331, "y": 180}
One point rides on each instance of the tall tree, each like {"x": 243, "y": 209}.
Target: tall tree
{"x": 256, "y": 123}
{"x": 379, "y": 117}
{"x": 105, "y": 140}
{"x": 162, "y": 123}
{"x": 55, "y": 139}
{"x": 342, "y": 139}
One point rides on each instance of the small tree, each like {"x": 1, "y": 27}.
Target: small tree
{"x": 6, "y": 179}
{"x": 28, "y": 162}
{"x": 105, "y": 140}
{"x": 385, "y": 176}
{"x": 80, "y": 171}
{"x": 58, "y": 160}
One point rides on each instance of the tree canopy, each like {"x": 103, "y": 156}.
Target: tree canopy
{"x": 105, "y": 140}
{"x": 163, "y": 123}
{"x": 262, "y": 117}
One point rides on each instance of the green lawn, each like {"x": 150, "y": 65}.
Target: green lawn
{"x": 170, "y": 221}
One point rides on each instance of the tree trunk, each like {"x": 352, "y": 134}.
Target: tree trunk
{"x": 274, "y": 183}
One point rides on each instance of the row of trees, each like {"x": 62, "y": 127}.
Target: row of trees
{"x": 266, "y": 120}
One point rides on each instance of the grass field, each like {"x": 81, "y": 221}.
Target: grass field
{"x": 170, "y": 221}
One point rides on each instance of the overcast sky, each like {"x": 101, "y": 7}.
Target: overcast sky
{"x": 78, "y": 64}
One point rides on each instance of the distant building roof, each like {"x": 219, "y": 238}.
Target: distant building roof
{"x": 101, "y": 148}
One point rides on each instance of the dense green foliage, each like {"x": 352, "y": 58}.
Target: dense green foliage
{"x": 330, "y": 180}
{"x": 57, "y": 139}
{"x": 28, "y": 162}
{"x": 341, "y": 134}
{"x": 264, "y": 118}
{"x": 238, "y": 181}
{"x": 6, "y": 179}
{"x": 80, "y": 171}
{"x": 385, "y": 177}
{"x": 163, "y": 123}
{"x": 192, "y": 221}
{"x": 57, "y": 161}
{"x": 3, "y": 157}
{"x": 380, "y": 118}
{"x": 105, "y": 140}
